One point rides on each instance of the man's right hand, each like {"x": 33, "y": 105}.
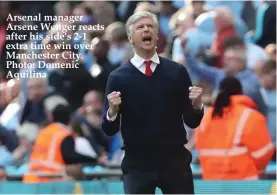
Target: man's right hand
{"x": 114, "y": 102}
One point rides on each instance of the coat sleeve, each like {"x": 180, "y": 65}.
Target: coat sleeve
{"x": 258, "y": 141}
{"x": 110, "y": 127}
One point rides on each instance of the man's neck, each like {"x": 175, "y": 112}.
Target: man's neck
{"x": 146, "y": 54}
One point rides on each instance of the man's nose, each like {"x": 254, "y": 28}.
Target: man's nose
{"x": 146, "y": 28}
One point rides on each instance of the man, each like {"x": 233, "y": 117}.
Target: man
{"x": 88, "y": 122}
{"x": 54, "y": 147}
{"x": 267, "y": 78}
{"x": 27, "y": 134}
{"x": 149, "y": 98}
{"x": 164, "y": 10}
{"x": 206, "y": 21}
{"x": 196, "y": 41}
{"x": 254, "y": 53}
{"x": 33, "y": 110}
{"x": 224, "y": 25}
{"x": 234, "y": 64}
{"x": 116, "y": 35}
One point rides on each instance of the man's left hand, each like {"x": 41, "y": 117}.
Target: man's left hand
{"x": 195, "y": 95}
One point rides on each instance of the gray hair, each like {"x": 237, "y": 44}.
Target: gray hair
{"x": 136, "y": 17}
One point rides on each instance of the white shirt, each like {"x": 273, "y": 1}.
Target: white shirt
{"x": 138, "y": 62}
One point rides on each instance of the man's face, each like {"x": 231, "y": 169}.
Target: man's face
{"x": 92, "y": 102}
{"x": 220, "y": 21}
{"x": 144, "y": 34}
{"x": 234, "y": 61}
{"x": 99, "y": 49}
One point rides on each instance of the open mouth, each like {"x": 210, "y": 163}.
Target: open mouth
{"x": 147, "y": 39}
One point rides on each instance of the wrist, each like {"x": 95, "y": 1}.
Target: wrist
{"x": 111, "y": 113}
{"x": 199, "y": 107}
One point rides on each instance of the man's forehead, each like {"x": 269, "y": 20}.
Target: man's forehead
{"x": 234, "y": 51}
{"x": 234, "y": 54}
{"x": 145, "y": 20}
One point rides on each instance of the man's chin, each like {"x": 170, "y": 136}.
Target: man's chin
{"x": 148, "y": 47}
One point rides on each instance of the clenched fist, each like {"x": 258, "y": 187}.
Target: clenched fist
{"x": 114, "y": 102}
{"x": 195, "y": 95}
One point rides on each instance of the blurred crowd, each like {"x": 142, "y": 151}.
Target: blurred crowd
{"x": 211, "y": 38}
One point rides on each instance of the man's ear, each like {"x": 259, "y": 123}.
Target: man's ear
{"x": 131, "y": 39}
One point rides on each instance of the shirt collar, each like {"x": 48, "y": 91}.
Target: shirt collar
{"x": 138, "y": 61}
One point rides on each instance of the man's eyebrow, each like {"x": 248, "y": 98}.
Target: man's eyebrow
{"x": 145, "y": 24}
